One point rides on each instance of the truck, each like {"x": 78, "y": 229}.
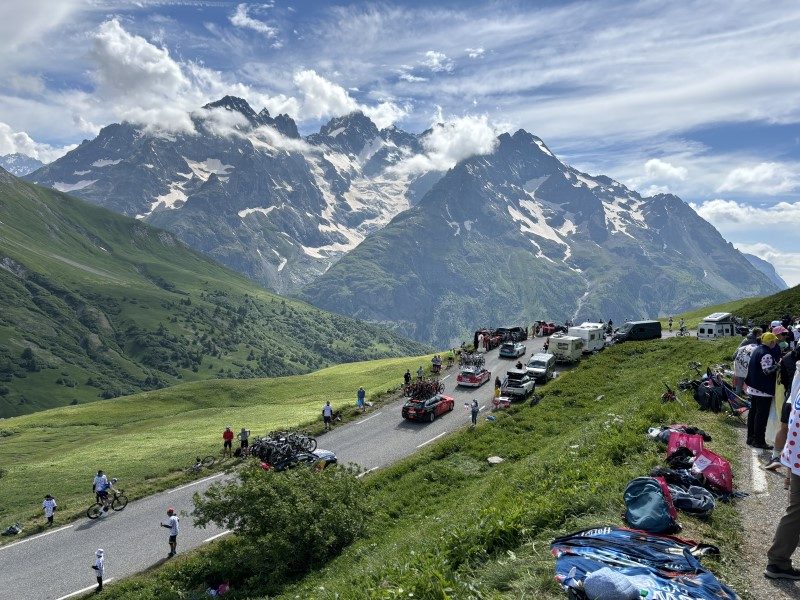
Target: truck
{"x": 517, "y": 385}
{"x": 566, "y": 348}
{"x": 592, "y": 334}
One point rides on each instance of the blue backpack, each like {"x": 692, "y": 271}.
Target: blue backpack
{"x": 649, "y": 507}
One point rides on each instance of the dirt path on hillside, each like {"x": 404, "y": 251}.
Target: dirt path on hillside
{"x": 760, "y": 514}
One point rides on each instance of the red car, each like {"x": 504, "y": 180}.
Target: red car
{"x": 472, "y": 376}
{"x": 416, "y": 409}
{"x": 548, "y": 329}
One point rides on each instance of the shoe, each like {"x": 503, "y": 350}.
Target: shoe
{"x": 170, "y": 555}
{"x": 762, "y": 446}
{"x": 776, "y": 572}
{"x": 774, "y": 464}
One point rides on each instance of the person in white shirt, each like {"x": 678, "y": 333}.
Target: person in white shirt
{"x": 99, "y": 567}
{"x": 49, "y": 505}
{"x": 172, "y": 525}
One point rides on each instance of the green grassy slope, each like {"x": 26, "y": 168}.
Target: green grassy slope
{"x": 146, "y": 439}
{"x": 764, "y": 310}
{"x": 693, "y": 317}
{"x": 451, "y": 526}
{"x": 93, "y": 304}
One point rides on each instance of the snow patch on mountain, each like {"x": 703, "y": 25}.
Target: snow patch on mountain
{"x": 81, "y": 172}
{"x": 591, "y": 183}
{"x": 543, "y": 148}
{"x": 532, "y": 185}
{"x": 106, "y": 162}
{"x": 204, "y": 169}
{"x": 71, "y": 187}
{"x": 336, "y": 132}
{"x": 622, "y": 212}
{"x": 172, "y": 200}
{"x": 249, "y": 211}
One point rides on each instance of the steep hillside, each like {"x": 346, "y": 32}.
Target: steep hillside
{"x": 767, "y": 268}
{"x": 93, "y": 304}
{"x": 764, "y": 310}
{"x": 518, "y": 233}
{"x": 246, "y": 189}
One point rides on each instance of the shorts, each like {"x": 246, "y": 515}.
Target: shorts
{"x": 226, "y": 444}
{"x": 786, "y": 410}
{"x": 173, "y": 539}
{"x": 244, "y": 444}
{"x": 327, "y": 419}
{"x": 103, "y": 494}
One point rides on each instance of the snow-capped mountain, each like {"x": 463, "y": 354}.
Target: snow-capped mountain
{"x": 247, "y": 189}
{"x": 516, "y": 236}
{"x": 19, "y": 164}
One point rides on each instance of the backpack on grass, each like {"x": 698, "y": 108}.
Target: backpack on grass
{"x": 710, "y": 397}
{"x": 649, "y": 507}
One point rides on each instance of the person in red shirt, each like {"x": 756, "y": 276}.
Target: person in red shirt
{"x": 227, "y": 441}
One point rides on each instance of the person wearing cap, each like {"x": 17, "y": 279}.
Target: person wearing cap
{"x": 752, "y": 337}
{"x": 172, "y": 524}
{"x": 227, "y": 442}
{"x": 760, "y": 385}
{"x": 99, "y": 567}
{"x": 49, "y": 505}
{"x": 783, "y": 337}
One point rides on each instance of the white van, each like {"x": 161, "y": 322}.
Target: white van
{"x": 592, "y": 334}
{"x": 566, "y": 348}
{"x": 716, "y": 325}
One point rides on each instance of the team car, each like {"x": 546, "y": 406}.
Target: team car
{"x": 473, "y": 376}
{"x": 417, "y": 409}
{"x": 512, "y": 350}
{"x": 319, "y": 458}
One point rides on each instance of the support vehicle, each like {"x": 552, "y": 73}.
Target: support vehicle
{"x": 517, "y": 385}
{"x": 717, "y": 325}
{"x": 419, "y": 409}
{"x": 566, "y": 348}
{"x": 541, "y": 367}
{"x": 638, "y": 330}
{"x": 473, "y": 376}
{"x": 592, "y": 334}
{"x": 512, "y": 350}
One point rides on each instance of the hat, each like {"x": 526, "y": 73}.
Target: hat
{"x": 768, "y": 338}
{"x": 99, "y": 552}
{"x": 170, "y": 510}
{"x": 779, "y": 330}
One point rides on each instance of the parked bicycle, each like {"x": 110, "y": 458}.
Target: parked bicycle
{"x": 117, "y": 502}
{"x": 280, "y": 445}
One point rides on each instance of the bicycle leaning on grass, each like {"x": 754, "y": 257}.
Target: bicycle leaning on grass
{"x": 202, "y": 462}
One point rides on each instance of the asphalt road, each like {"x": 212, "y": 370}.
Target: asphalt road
{"x": 57, "y": 564}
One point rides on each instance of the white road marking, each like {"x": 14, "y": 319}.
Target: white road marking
{"x": 219, "y": 535}
{"x": 35, "y": 537}
{"x": 445, "y": 377}
{"x": 368, "y": 418}
{"x": 183, "y": 487}
{"x": 481, "y": 408}
{"x": 360, "y": 475}
{"x": 759, "y": 477}
{"x": 433, "y": 438}
{"x": 86, "y": 589}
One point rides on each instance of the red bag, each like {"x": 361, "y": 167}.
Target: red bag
{"x": 693, "y": 442}
{"x": 715, "y": 469}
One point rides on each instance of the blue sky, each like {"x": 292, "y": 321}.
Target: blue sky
{"x": 699, "y": 98}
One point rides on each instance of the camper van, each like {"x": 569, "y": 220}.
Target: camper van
{"x": 592, "y": 334}
{"x": 638, "y": 330}
{"x": 716, "y": 325}
{"x": 566, "y": 348}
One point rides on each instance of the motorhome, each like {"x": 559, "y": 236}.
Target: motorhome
{"x": 592, "y": 334}
{"x": 717, "y": 325}
{"x": 566, "y": 348}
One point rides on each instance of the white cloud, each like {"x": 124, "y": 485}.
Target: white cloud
{"x": 450, "y": 142}
{"x": 412, "y": 78}
{"x": 385, "y": 113}
{"x": 274, "y": 138}
{"x": 222, "y": 121}
{"x": 732, "y": 215}
{"x": 240, "y": 18}
{"x": 322, "y": 98}
{"x": 659, "y": 170}
{"x": 764, "y": 178}
{"x": 475, "y": 52}
{"x": 12, "y": 142}
{"x": 787, "y": 264}
{"x": 437, "y": 61}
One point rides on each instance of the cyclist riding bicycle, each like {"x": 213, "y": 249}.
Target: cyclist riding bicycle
{"x": 100, "y": 487}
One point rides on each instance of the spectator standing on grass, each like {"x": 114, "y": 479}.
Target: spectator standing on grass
{"x": 787, "y": 534}
{"x": 760, "y": 385}
{"x": 227, "y": 441}
{"x": 327, "y": 414}
{"x": 99, "y": 567}
{"x": 360, "y": 398}
{"x": 787, "y": 370}
{"x": 407, "y": 377}
{"x": 420, "y": 372}
{"x": 753, "y": 337}
{"x": 49, "y": 505}
{"x": 173, "y": 525}
{"x": 670, "y": 324}
{"x": 741, "y": 361}
{"x": 474, "y": 409}
{"x": 244, "y": 439}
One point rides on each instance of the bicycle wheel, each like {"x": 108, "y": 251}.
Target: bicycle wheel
{"x": 119, "y": 502}
{"x": 94, "y": 511}
{"x": 309, "y": 444}
{"x": 209, "y": 461}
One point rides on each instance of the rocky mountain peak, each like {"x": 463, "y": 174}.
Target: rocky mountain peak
{"x": 236, "y": 104}
{"x": 348, "y": 133}
{"x": 19, "y": 164}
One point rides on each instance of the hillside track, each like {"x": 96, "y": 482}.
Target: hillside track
{"x": 56, "y": 565}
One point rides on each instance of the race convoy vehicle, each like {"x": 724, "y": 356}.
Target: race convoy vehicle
{"x": 548, "y": 328}
{"x": 512, "y": 350}
{"x": 541, "y": 367}
{"x": 473, "y": 376}
{"x": 319, "y": 458}
{"x": 418, "y": 409}
{"x": 517, "y": 385}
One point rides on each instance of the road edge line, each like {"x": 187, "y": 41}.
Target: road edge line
{"x": 36, "y": 537}
{"x": 432, "y": 439}
{"x": 183, "y": 487}
{"x": 84, "y": 590}
{"x": 219, "y": 535}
